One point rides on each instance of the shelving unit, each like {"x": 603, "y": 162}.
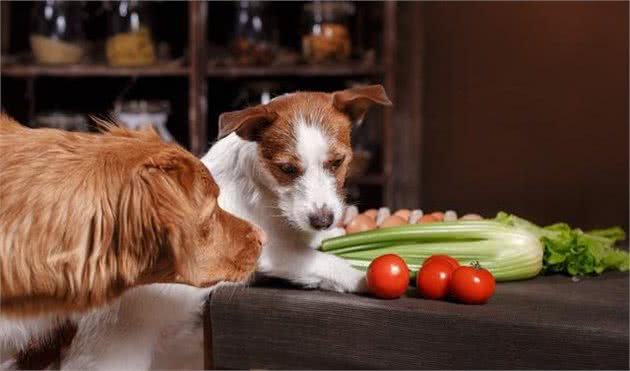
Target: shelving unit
{"x": 92, "y": 70}
{"x": 200, "y": 75}
{"x": 300, "y": 70}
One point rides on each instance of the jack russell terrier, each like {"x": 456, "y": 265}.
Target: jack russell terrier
{"x": 283, "y": 165}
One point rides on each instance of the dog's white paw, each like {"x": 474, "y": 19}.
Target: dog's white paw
{"x": 359, "y": 286}
{"x": 354, "y": 281}
{"x": 331, "y": 286}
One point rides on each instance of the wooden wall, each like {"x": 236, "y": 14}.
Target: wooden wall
{"x": 524, "y": 108}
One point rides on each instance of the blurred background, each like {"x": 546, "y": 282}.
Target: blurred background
{"x": 515, "y": 106}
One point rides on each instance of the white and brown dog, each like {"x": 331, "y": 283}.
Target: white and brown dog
{"x": 283, "y": 165}
{"x": 280, "y": 166}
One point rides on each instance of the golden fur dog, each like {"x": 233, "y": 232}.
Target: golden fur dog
{"x": 85, "y": 216}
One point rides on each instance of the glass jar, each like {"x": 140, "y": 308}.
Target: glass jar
{"x": 64, "y": 120}
{"x": 253, "y": 42}
{"x": 327, "y": 31}
{"x": 57, "y": 35}
{"x": 130, "y": 42}
{"x": 138, "y": 114}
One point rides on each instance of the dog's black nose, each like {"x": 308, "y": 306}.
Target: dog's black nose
{"x": 322, "y": 218}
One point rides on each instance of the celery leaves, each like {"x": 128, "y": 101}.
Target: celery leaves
{"x": 573, "y": 251}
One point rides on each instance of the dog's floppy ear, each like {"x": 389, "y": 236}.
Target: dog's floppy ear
{"x": 155, "y": 214}
{"x": 179, "y": 169}
{"x": 356, "y": 101}
{"x": 246, "y": 123}
{"x": 173, "y": 176}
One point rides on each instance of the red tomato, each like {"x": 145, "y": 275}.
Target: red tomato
{"x": 472, "y": 284}
{"x": 432, "y": 281}
{"x": 449, "y": 259}
{"x": 388, "y": 276}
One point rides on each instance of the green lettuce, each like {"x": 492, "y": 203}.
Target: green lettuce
{"x": 573, "y": 251}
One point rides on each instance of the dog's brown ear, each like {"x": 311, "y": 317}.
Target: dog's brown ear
{"x": 246, "y": 123}
{"x": 156, "y": 211}
{"x": 356, "y": 101}
{"x": 175, "y": 168}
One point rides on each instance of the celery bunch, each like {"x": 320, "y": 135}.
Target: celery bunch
{"x": 510, "y": 247}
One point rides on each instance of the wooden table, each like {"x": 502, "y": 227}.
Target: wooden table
{"x": 548, "y": 322}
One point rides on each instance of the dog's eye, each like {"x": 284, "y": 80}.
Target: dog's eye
{"x": 288, "y": 169}
{"x": 336, "y": 163}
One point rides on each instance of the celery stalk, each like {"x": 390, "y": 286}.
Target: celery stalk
{"x": 509, "y": 253}
{"x": 437, "y": 232}
{"x": 510, "y": 247}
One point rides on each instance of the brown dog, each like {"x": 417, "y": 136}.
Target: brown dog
{"x": 85, "y": 216}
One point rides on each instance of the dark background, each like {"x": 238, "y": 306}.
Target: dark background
{"x": 515, "y": 106}
{"x": 524, "y": 108}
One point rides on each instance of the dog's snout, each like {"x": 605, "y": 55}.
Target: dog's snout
{"x": 261, "y": 236}
{"x": 322, "y": 218}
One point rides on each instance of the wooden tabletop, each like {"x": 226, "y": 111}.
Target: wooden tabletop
{"x": 549, "y": 322}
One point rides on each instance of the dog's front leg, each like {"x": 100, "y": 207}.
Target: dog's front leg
{"x": 118, "y": 337}
{"x": 313, "y": 269}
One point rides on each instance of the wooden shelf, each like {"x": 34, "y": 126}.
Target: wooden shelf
{"x": 81, "y": 70}
{"x": 295, "y": 70}
{"x": 86, "y": 70}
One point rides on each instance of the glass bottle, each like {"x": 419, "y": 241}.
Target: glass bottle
{"x": 253, "y": 41}
{"x": 57, "y": 35}
{"x": 130, "y": 42}
{"x": 327, "y": 31}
